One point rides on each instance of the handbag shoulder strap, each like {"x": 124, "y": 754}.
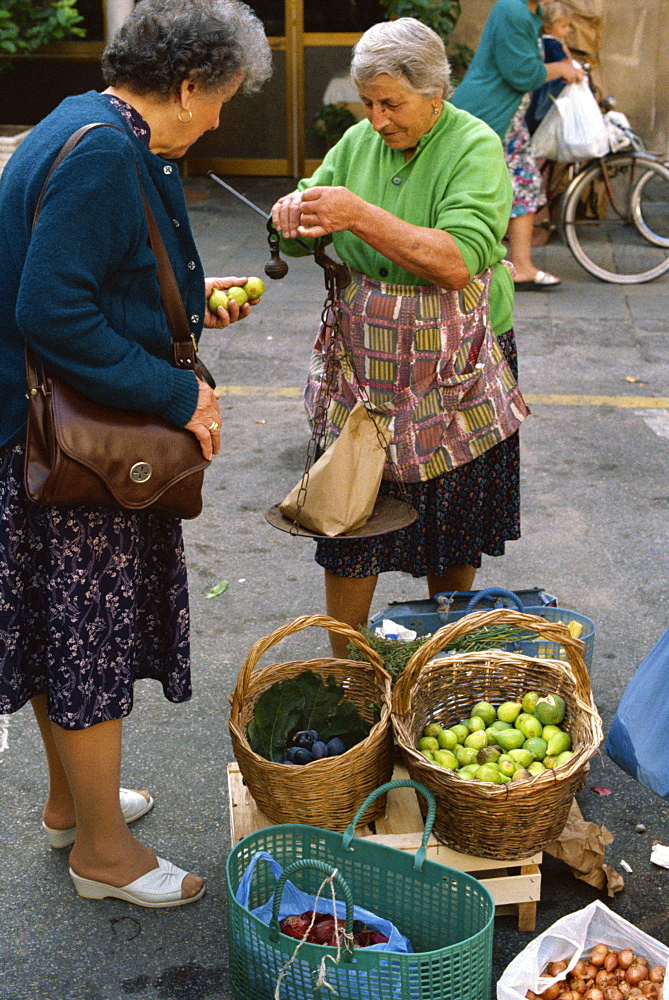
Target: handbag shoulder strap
{"x": 184, "y": 347}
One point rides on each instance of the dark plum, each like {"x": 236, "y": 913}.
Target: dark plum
{"x": 305, "y": 738}
{"x": 319, "y": 749}
{"x": 303, "y": 756}
{"x": 336, "y": 747}
{"x": 290, "y": 754}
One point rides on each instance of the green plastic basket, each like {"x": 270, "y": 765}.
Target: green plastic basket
{"x": 447, "y": 915}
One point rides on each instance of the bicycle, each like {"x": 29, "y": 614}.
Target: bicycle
{"x": 614, "y": 212}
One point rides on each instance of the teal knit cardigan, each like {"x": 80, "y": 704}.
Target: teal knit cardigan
{"x": 83, "y": 291}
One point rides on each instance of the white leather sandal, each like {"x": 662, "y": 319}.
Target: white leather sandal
{"x": 133, "y": 806}
{"x": 159, "y": 887}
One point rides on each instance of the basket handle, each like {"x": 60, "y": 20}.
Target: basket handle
{"x": 326, "y": 869}
{"x": 490, "y": 594}
{"x": 324, "y": 621}
{"x": 552, "y": 631}
{"x": 419, "y": 857}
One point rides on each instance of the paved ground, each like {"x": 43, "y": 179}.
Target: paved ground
{"x": 595, "y": 508}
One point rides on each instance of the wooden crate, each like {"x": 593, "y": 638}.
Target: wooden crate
{"x": 514, "y": 886}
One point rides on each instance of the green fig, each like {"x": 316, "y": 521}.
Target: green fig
{"x": 510, "y": 739}
{"x": 529, "y": 701}
{"x": 530, "y": 727}
{"x": 477, "y": 740}
{"x": 509, "y": 711}
{"x": 537, "y": 747}
{"x": 487, "y": 772}
{"x": 432, "y": 729}
{"x": 550, "y": 711}
{"x": 488, "y": 755}
{"x": 217, "y": 299}
{"x": 475, "y": 724}
{"x": 238, "y": 294}
{"x": 558, "y": 743}
{"x": 522, "y": 758}
{"x": 447, "y": 739}
{"x": 254, "y": 287}
{"x": 461, "y": 732}
{"x": 445, "y": 759}
{"x": 485, "y": 711}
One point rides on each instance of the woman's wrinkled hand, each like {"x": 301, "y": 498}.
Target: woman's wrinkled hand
{"x": 205, "y": 423}
{"x": 318, "y": 211}
{"x": 286, "y": 214}
{"x": 224, "y": 317}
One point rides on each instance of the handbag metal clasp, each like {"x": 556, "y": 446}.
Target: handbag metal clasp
{"x": 141, "y": 472}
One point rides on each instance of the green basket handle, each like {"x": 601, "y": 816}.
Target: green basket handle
{"x": 320, "y": 866}
{"x": 419, "y": 857}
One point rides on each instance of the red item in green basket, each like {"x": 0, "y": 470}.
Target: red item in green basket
{"x": 328, "y": 931}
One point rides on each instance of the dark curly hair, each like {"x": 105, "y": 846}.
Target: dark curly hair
{"x": 164, "y": 42}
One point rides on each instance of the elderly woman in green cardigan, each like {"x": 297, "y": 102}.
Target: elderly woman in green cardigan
{"x": 92, "y": 599}
{"x": 416, "y": 200}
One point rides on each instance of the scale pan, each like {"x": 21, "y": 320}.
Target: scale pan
{"x": 388, "y": 515}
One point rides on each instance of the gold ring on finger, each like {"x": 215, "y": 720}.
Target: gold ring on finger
{"x": 213, "y": 426}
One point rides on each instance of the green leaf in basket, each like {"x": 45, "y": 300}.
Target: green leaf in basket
{"x": 303, "y": 702}
{"x": 277, "y": 716}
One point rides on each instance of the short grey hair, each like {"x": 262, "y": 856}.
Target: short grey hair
{"x": 407, "y": 50}
{"x": 164, "y": 42}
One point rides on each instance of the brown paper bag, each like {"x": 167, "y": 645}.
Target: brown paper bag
{"x": 344, "y": 482}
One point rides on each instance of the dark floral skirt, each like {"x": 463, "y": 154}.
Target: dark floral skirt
{"x": 469, "y": 511}
{"x": 90, "y": 601}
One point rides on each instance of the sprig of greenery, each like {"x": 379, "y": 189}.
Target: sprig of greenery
{"x": 26, "y": 25}
{"x": 395, "y": 654}
{"x": 331, "y": 122}
{"x": 440, "y": 15}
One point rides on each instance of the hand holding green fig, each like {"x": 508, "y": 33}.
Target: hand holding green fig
{"x": 233, "y": 301}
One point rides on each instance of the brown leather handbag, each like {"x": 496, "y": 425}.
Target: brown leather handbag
{"x": 79, "y": 452}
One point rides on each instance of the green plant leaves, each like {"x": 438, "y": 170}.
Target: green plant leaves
{"x": 25, "y": 25}
{"x": 303, "y": 702}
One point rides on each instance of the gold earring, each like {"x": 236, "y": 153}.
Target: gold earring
{"x": 435, "y": 111}
{"x": 188, "y": 112}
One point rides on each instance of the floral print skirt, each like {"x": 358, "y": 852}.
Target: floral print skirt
{"x": 528, "y": 191}
{"x": 471, "y": 510}
{"x": 90, "y": 601}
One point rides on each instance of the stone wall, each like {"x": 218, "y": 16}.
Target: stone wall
{"x": 630, "y": 41}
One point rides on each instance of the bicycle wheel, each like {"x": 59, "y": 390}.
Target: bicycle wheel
{"x": 619, "y": 231}
{"x": 650, "y": 207}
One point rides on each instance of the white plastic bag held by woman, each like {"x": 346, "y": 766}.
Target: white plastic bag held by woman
{"x": 574, "y": 129}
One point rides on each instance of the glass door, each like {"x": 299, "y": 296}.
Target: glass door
{"x": 272, "y": 133}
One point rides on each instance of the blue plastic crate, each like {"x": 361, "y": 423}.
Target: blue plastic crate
{"x": 425, "y": 617}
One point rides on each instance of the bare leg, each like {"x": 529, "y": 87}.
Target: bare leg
{"x": 104, "y": 850}
{"x": 520, "y": 233}
{"x": 348, "y": 599}
{"x": 59, "y": 812}
{"x": 457, "y": 578}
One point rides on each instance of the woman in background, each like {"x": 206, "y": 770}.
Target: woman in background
{"x": 507, "y": 66}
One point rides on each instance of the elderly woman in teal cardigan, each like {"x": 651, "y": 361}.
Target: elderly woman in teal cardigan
{"x": 507, "y": 66}
{"x": 416, "y": 200}
{"x": 93, "y": 599}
